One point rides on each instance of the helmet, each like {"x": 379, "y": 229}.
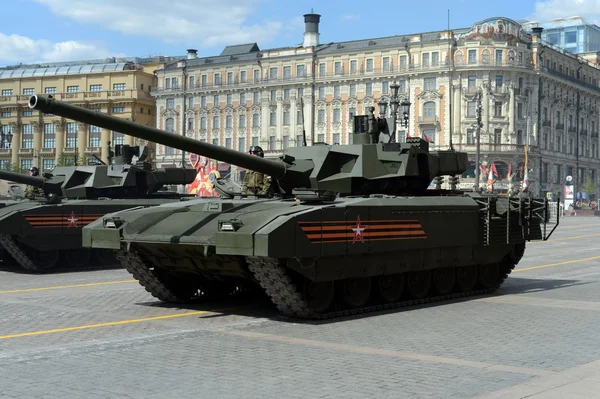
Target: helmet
{"x": 257, "y": 150}
{"x": 34, "y": 170}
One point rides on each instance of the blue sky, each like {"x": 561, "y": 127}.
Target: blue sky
{"x": 67, "y": 30}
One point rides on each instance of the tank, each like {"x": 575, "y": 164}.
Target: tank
{"x": 43, "y": 232}
{"x": 350, "y": 228}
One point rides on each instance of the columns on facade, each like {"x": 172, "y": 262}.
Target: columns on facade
{"x": 511, "y": 110}
{"x": 104, "y": 139}
{"x": 265, "y": 114}
{"x": 59, "y": 135}
{"x": 82, "y": 130}
{"x": 457, "y": 110}
{"x": 485, "y": 103}
{"x": 37, "y": 143}
{"x": 16, "y": 142}
{"x": 308, "y": 117}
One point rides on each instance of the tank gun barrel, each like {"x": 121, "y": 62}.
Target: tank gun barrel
{"x": 22, "y": 179}
{"x": 275, "y": 168}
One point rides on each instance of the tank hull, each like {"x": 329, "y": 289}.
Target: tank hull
{"x": 446, "y": 240}
{"x": 40, "y": 236}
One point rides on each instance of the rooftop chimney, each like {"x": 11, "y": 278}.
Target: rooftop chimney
{"x": 192, "y": 54}
{"x": 537, "y": 33}
{"x": 311, "y": 29}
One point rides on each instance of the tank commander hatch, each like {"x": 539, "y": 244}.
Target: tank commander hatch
{"x": 256, "y": 183}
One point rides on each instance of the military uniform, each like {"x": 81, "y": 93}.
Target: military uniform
{"x": 32, "y": 191}
{"x": 256, "y": 183}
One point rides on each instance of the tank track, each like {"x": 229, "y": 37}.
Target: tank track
{"x": 141, "y": 272}
{"x": 273, "y": 278}
{"x": 19, "y": 255}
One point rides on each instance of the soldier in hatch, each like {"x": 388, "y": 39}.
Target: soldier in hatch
{"x": 256, "y": 183}
{"x": 32, "y": 191}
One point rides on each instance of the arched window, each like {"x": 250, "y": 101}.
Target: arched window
{"x": 170, "y": 125}
{"x": 485, "y": 57}
{"x": 429, "y": 111}
{"x": 458, "y": 58}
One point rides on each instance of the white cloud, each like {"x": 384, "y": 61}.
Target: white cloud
{"x": 550, "y": 9}
{"x": 194, "y": 22}
{"x": 347, "y": 17}
{"x": 21, "y": 49}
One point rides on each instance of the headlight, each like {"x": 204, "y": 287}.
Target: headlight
{"x": 230, "y": 225}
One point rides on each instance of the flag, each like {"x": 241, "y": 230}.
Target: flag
{"x": 493, "y": 169}
{"x": 427, "y": 138}
{"x": 482, "y": 168}
{"x": 490, "y": 182}
{"x": 509, "y": 175}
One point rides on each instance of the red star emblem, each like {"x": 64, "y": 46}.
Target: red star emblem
{"x": 72, "y": 220}
{"x": 358, "y": 231}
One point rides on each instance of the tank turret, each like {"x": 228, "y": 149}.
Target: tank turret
{"x": 373, "y": 164}
{"x": 120, "y": 179}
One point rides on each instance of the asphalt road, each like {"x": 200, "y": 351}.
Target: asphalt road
{"x": 98, "y": 334}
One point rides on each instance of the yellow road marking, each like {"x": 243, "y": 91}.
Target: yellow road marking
{"x": 564, "y": 239}
{"x": 58, "y": 287}
{"x": 577, "y": 226}
{"x": 114, "y": 323}
{"x": 556, "y": 264}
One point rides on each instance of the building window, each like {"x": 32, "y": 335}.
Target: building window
{"x": 243, "y": 77}
{"x": 369, "y": 89}
{"x": 273, "y": 73}
{"x": 273, "y": 119}
{"x": 353, "y": 90}
{"x": 337, "y": 91}
{"x": 320, "y": 138}
{"x": 27, "y": 138}
{"x": 286, "y": 118}
{"x": 254, "y": 140}
{"x": 435, "y": 58}
{"x": 286, "y": 94}
{"x": 336, "y": 138}
{"x": 471, "y": 136}
{"x": 190, "y": 124}
{"x": 27, "y": 113}
{"x": 321, "y": 93}
{"x": 385, "y": 62}
{"x": 216, "y": 122}
{"x": 242, "y": 121}
{"x": 204, "y": 80}
{"x": 95, "y": 87}
{"x": 385, "y": 87}
{"x": 370, "y": 65}
{"x": 170, "y": 103}
{"x": 429, "y": 111}
{"x": 118, "y": 86}
{"x": 256, "y": 97}
{"x": 472, "y": 57}
{"x": 321, "y": 116}
{"x": 203, "y": 101}
{"x": 430, "y": 135}
{"x": 191, "y": 103}
{"x": 118, "y": 138}
{"x": 351, "y": 113}
{"x": 48, "y": 164}
{"x": 498, "y": 81}
{"x": 192, "y": 81}
{"x": 72, "y": 135}
{"x": 72, "y": 89}
{"x": 229, "y": 100}
{"x": 170, "y": 125}
{"x": 203, "y": 122}
{"x": 273, "y": 95}
{"x": 228, "y": 142}
{"x": 228, "y": 122}
{"x": 95, "y": 136}
{"x": 256, "y": 120}
{"x": 242, "y": 99}
{"x": 256, "y": 75}
{"x": 26, "y": 164}
{"x": 6, "y": 114}
{"x": 429, "y": 84}
{"x": 471, "y": 109}
{"x": 7, "y": 92}
{"x": 403, "y": 61}
{"x": 300, "y": 71}
{"x": 472, "y": 83}
{"x": 217, "y": 79}
{"x": 322, "y": 69}
{"x": 497, "y": 108}
{"x": 425, "y": 59}
{"x": 241, "y": 144}
{"x": 49, "y": 135}
{"x": 286, "y": 142}
{"x": 118, "y": 110}
{"x": 485, "y": 57}
{"x": 28, "y": 92}
{"x": 337, "y": 68}
{"x": 50, "y": 90}
{"x": 299, "y": 140}
{"x": 287, "y": 72}
{"x": 353, "y": 66}
{"x": 229, "y": 78}
{"x": 216, "y": 101}
{"x": 497, "y": 136}
{"x": 299, "y": 117}
{"x": 272, "y": 143}
{"x": 337, "y": 116}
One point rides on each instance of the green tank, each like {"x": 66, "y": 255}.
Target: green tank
{"x": 43, "y": 232}
{"x": 352, "y": 228}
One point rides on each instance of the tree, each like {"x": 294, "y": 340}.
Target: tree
{"x": 66, "y": 159}
{"x": 12, "y": 167}
{"x": 589, "y": 187}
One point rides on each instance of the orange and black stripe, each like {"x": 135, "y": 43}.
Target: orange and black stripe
{"x": 374, "y": 230}
{"x": 38, "y": 220}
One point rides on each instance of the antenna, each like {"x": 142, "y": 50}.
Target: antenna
{"x": 451, "y": 130}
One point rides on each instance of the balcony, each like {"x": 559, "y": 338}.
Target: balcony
{"x": 595, "y": 134}
{"x": 429, "y": 120}
{"x": 572, "y": 129}
{"x": 85, "y": 96}
{"x": 583, "y": 132}
{"x": 560, "y": 126}
{"x": 491, "y": 147}
{"x": 546, "y": 123}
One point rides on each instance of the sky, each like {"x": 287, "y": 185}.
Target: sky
{"x": 38, "y": 31}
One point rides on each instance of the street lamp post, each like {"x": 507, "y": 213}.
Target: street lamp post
{"x": 5, "y": 138}
{"x": 395, "y": 107}
{"x": 479, "y": 125}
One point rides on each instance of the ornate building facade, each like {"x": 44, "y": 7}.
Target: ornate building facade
{"x": 30, "y": 138}
{"x": 531, "y": 95}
